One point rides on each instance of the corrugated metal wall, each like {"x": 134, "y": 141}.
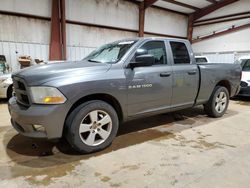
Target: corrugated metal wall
{"x": 24, "y": 36}
{"x": 78, "y": 52}
{"x": 31, "y": 36}
{"x": 118, "y": 13}
{"x": 233, "y": 42}
{"x": 12, "y": 50}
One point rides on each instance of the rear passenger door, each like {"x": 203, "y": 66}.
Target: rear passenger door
{"x": 185, "y": 75}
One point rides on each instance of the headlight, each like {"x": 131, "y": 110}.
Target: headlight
{"x": 47, "y": 95}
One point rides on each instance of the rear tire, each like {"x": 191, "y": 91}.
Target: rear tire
{"x": 92, "y": 126}
{"x": 218, "y": 102}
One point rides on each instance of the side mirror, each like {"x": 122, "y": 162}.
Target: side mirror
{"x": 143, "y": 61}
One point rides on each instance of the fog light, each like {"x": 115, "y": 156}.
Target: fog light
{"x": 39, "y": 128}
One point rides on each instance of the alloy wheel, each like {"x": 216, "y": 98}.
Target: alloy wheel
{"x": 95, "y": 128}
{"x": 221, "y": 102}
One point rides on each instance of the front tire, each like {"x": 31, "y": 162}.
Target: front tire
{"x": 92, "y": 126}
{"x": 218, "y": 102}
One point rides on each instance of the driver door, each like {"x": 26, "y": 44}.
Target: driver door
{"x": 150, "y": 87}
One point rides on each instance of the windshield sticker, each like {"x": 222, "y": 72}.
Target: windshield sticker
{"x": 126, "y": 42}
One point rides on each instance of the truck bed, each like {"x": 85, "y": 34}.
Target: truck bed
{"x": 213, "y": 73}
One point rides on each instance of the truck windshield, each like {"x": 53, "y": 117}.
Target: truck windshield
{"x": 110, "y": 53}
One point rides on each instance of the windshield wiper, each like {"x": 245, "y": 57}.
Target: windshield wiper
{"x": 95, "y": 61}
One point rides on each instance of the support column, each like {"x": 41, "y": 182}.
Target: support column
{"x": 57, "y": 50}
{"x": 63, "y": 30}
{"x": 141, "y": 19}
{"x": 190, "y": 27}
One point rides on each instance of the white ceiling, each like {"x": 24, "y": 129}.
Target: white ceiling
{"x": 195, "y": 3}
{"x": 172, "y": 6}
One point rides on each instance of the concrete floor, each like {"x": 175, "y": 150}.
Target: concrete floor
{"x": 187, "y": 149}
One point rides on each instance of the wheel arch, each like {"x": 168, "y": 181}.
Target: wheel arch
{"x": 226, "y": 84}
{"x": 111, "y": 100}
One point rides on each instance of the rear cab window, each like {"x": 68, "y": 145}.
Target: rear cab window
{"x": 180, "y": 53}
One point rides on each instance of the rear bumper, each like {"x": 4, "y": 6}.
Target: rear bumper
{"x": 237, "y": 91}
{"x": 37, "y": 121}
{"x": 244, "y": 91}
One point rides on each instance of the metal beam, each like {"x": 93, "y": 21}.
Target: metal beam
{"x": 160, "y": 8}
{"x": 141, "y": 19}
{"x": 55, "y": 52}
{"x": 182, "y": 4}
{"x": 217, "y": 34}
{"x": 164, "y": 35}
{"x": 142, "y": 8}
{"x": 148, "y": 3}
{"x": 120, "y": 29}
{"x": 57, "y": 49}
{"x": 63, "y": 29}
{"x": 212, "y": 1}
{"x": 222, "y": 21}
{"x": 222, "y": 17}
{"x": 24, "y": 15}
{"x": 190, "y": 27}
{"x": 207, "y": 10}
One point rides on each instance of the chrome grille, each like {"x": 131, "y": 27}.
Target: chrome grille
{"x": 20, "y": 91}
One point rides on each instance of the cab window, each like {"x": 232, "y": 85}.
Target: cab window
{"x": 155, "y": 48}
{"x": 180, "y": 53}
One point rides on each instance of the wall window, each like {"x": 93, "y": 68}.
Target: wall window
{"x": 180, "y": 53}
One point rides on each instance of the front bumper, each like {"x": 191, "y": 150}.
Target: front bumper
{"x": 244, "y": 91}
{"x": 48, "y": 117}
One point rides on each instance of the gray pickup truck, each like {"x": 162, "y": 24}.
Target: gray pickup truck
{"x": 85, "y": 101}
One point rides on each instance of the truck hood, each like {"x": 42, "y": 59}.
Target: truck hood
{"x": 40, "y": 74}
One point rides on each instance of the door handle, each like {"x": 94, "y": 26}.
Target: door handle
{"x": 165, "y": 74}
{"x": 193, "y": 72}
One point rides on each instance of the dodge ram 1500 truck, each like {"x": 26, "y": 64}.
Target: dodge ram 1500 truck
{"x": 85, "y": 101}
